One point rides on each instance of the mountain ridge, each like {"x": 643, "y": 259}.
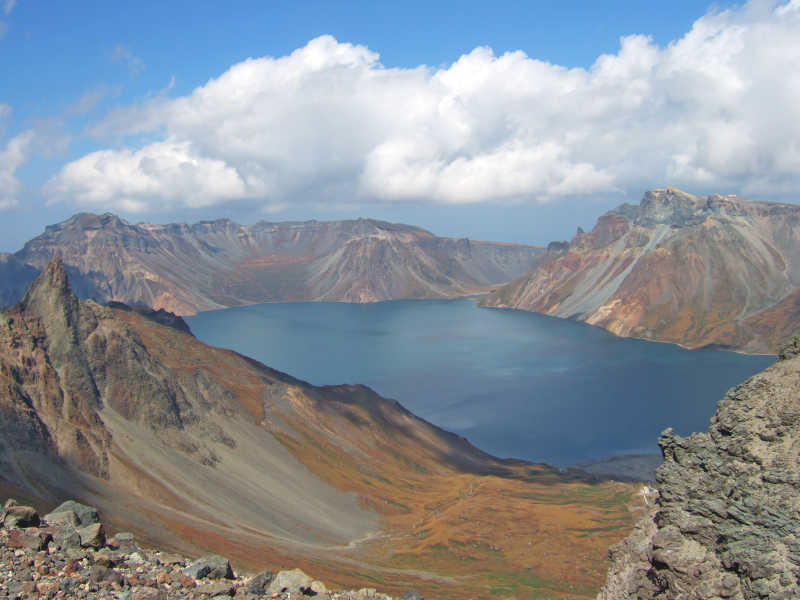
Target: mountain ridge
{"x": 698, "y": 271}
{"x": 208, "y": 265}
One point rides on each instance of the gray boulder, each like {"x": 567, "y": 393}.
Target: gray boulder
{"x": 66, "y": 516}
{"x": 92, "y": 536}
{"x": 294, "y": 581}
{"x": 258, "y": 584}
{"x": 211, "y": 566}
{"x": 66, "y": 537}
{"x": 86, "y": 515}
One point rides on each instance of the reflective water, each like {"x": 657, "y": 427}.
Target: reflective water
{"x": 516, "y": 384}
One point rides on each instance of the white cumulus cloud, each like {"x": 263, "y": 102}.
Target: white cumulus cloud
{"x": 719, "y": 107}
{"x": 13, "y": 156}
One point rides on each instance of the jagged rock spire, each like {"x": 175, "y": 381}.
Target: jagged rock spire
{"x": 51, "y": 291}
{"x": 55, "y": 315}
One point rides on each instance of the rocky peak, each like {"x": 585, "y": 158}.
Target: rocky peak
{"x": 61, "y": 324}
{"x": 669, "y": 206}
{"x": 50, "y": 298}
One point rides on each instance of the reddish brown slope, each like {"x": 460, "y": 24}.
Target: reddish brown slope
{"x": 678, "y": 268}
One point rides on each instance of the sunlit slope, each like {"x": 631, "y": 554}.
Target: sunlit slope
{"x": 680, "y": 268}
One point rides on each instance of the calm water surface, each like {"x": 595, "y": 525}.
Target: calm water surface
{"x": 516, "y": 384}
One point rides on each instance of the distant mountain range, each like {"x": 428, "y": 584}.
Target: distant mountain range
{"x": 698, "y": 271}
{"x": 216, "y": 264}
{"x": 201, "y": 449}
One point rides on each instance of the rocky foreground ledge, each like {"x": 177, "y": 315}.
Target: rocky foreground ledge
{"x": 725, "y": 519}
{"x": 65, "y": 554}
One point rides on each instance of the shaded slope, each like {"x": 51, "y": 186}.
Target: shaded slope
{"x": 198, "y": 448}
{"x": 678, "y": 268}
{"x": 213, "y": 264}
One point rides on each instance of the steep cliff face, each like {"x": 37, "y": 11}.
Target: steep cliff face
{"x": 199, "y": 448}
{"x": 185, "y": 268}
{"x": 680, "y": 268}
{"x": 726, "y": 520}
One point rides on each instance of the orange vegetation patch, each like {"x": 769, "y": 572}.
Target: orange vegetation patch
{"x": 530, "y": 534}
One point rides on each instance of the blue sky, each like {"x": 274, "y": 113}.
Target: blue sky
{"x": 506, "y": 120}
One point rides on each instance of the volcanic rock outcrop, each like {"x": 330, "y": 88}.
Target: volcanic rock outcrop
{"x": 719, "y": 270}
{"x": 726, "y": 520}
{"x": 214, "y": 264}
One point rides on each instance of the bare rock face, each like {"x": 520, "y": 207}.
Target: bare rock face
{"x": 727, "y": 520}
{"x": 186, "y": 268}
{"x": 716, "y": 270}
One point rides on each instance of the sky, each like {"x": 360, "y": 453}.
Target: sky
{"x": 508, "y": 120}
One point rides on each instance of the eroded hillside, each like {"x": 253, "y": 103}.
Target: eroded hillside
{"x": 214, "y": 264}
{"x": 721, "y": 271}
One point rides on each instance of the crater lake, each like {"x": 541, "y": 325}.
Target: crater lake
{"x": 516, "y": 384}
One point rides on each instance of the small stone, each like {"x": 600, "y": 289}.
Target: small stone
{"x": 107, "y": 559}
{"x": 258, "y": 584}
{"x": 47, "y": 587}
{"x": 146, "y": 593}
{"x": 164, "y": 558}
{"x": 412, "y": 595}
{"x": 215, "y": 589}
{"x": 136, "y": 558}
{"x": 318, "y": 588}
{"x": 103, "y": 574}
{"x": 124, "y": 542}
{"x": 92, "y": 536}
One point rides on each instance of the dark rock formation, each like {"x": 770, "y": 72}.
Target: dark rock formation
{"x": 726, "y": 523}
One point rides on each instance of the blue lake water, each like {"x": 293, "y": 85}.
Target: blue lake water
{"x": 516, "y": 384}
